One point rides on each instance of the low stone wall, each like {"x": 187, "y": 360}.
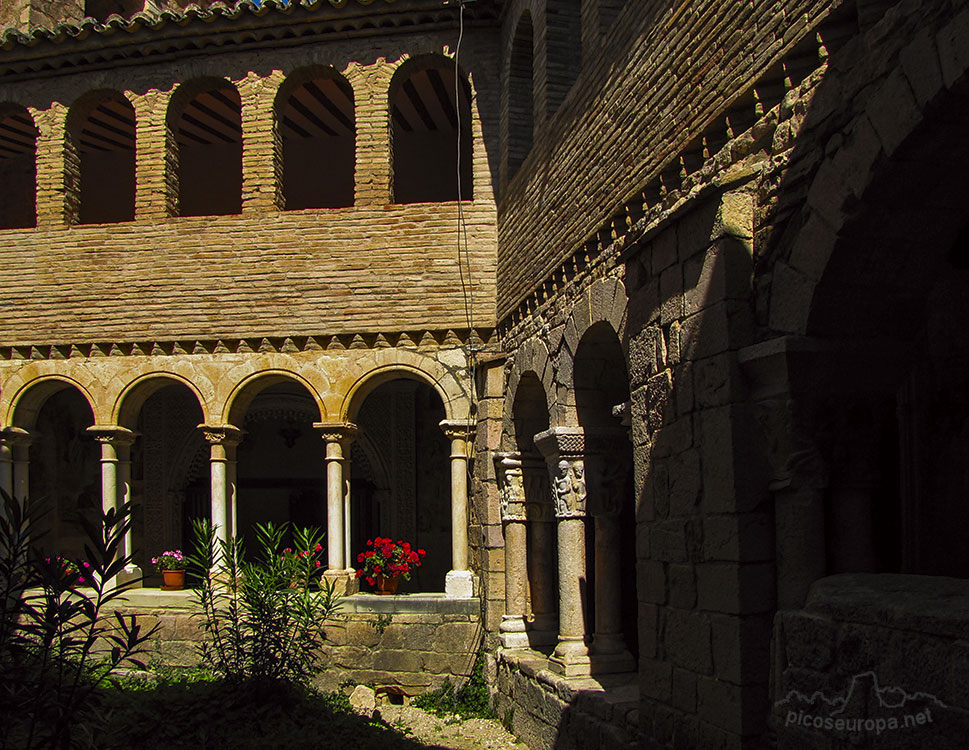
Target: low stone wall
{"x": 549, "y": 711}
{"x": 874, "y": 661}
{"x": 401, "y": 645}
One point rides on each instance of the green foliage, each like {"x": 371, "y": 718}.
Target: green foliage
{"x": 470, "y": 701}
{"x": 57, "y": 645}
{"x": 382, "y": 622}
{"x": 264, "y": 619}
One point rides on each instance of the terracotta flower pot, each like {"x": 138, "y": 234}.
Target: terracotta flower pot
{"x": 387, "y": 585}
{"x": 173, "y": 580}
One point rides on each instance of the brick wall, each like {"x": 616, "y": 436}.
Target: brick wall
{"x": 265, "y": 272}
{"x": 659, "y": 76}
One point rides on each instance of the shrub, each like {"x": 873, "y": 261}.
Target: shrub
{"x": 57, "y": 645}
{"x": 471, "y": 701}
{"x": 264, "y": 619}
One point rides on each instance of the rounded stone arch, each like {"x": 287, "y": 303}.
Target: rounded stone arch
{"x": 242, "y": 395}
{"x": 606, "y": 302}
{"x": 26, "y": 403}
{"x": 128, "y": 404}
{"x": 532, "y": 357}
{"x": 372, "y": 379}
{"x": 820, "y": 245}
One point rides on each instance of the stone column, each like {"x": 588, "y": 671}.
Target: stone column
{"x": 563, "y": 448}
{"x": 338, "y": 438}
{"x": 459, "y": 582}
{"x": 223, "y": 440}
{"x": 15, "y": 462}
{"x": 543, "y": 624}
{"x": 116, "y": 483}
{"x": 508, "y": 468}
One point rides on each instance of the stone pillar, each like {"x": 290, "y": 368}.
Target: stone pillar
{"x": 508, "y": 468}
{"x": 563, "y": 448}
{"x": 56, "y": 173}
{"x": 15, "y": 462}
{"x": 338, "y": 438}
{"x": 459, "y": 582}
{"x": 223, "y": 440}
{"x": 261, "y": 169}
{"x": 543, "y": 622}
{"x": 116, "y": 483}
{"x": 799, "y": 474}
{"x": 154, "y": 197}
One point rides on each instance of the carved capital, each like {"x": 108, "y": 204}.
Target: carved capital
{"x": 341, "y": 432}
{"x": 224, "y": 434}
{"x": 568, "y": 488}
{"x": 112, "y": 434}
{"x": 568, "y": 442}
{"x": 15, "y": 436}
{"x": 458, "y": 429}
{"x": 511, "y": 485}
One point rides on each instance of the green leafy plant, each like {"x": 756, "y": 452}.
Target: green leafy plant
{"x": 382, "y": 622}
{"x": 471, "y": 701}
{"x": 264, "y": 619}
{"x": 170, "y": 560}
{"x": 57, "y": 646}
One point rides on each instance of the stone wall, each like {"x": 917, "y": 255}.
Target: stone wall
{"x": 402, "y": 645}
{"x": 887, "y": 656}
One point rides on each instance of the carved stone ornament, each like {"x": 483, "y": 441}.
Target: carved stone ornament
{"x": 569, "y": 489}
{"x": 113, "y": 435}
{"x": 222, "y": 434}
{"x": 511, "y": 486}
{"x": 337, "y": 433}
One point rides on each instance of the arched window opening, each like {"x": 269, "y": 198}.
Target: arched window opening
{"x": 318, "y": 133}
{"x": 280, "y": 465}
{"x": 101, "y": 9}
{"x": 424, "y": 129}
{"x": 18, "y": 170}
{"x": 207, "y": 130}
{"x": 609, "y": 11}
{"x": 400, "y": 477}
{"x": 563, "y": 28}
{"x": 102, "y": 134}
{"x": 521, "y": 108}
{"x": 65, "y": 471}
{"x": 601, "y": 397}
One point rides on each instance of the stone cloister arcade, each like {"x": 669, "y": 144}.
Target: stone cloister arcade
{"x": 567, "y": 506}
{"x": 360, "y": 444}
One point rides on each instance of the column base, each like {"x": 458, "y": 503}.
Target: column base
{"x": 344, "y": 582}
{"x": 130, "y": 576}
{"x": 512, "y": 632}
{"x": 612, "y": 663}
{"x": 543, "y": 629}
{"x": 571, "y": 658}
{"x": 459, "y": 584}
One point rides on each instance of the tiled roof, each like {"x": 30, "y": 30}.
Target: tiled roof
{"x": 192, "y": 14}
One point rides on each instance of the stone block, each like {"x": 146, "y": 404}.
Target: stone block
{"x": 455, "y": 637}
{"x": 893, "y": 111}
{"x": 719, "y": 703}
{"x": 667, "y": 541}
{"x": 674, "y": 437}
{"x": 684, "y": 690}
{"x": 656, "y": 679}
{"x": 717, "y": 381}
{"x": 686, "y": 638}
{"x": 736, "y": 588}
{"x": 651, "y": 581}
{"x": 745, "y": 537}
{"x": 953, "y": 43}
{"x": 393, "y": 660}
{"x": 663, "y": 250}
{"x": 809, "y": 640}
{"x": 361, "y": 633}
{"x": 684, "y": 482}
{"x": 741, "y": 647}
{"x": 682, "y": 587}
{"x": 649, "y": 629}
{"x": 671, "y": 295}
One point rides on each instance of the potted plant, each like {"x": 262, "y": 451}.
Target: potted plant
{"x": 385, "y": 562}
{"x": 172, "y": 566}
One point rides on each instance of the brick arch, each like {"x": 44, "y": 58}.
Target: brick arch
{"x": 238, "y": 401}
{"x": 389, "y": 364}
{"x": 129, "y": 402}
{"x": 18, "y": 171}
{"x": 531, "y": 357}
{"x": 848, "y": 173}
{"x": 28, "y": 400}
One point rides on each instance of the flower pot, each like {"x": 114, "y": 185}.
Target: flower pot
{"x": 386, "y": 585}
{"x": 173, "y": 580}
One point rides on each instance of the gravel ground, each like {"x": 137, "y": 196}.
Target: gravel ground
{"x": 450, "y": 732}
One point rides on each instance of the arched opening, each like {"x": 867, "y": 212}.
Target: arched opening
{"x": 317, "y": 135}
{"x": 400, "y": 477}
{"x": 205, "y": 127}
{"x": 18, "y": 169}
{"x": 280, "y": 463}
{"x": 601, "y": 399}
{"x": 563, "y": 29}
{"x": 64, "y": 472}
{"x": 530, "y": 417}
{"x": 426, "y": 125}
{"x": 521, "y": 107}
{"x": 101, "y": 9}
{"x": 101, "y": 137}
{"x": 169, "y": 470}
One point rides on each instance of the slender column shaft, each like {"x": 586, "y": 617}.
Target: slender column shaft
{"x": 543, "y": 567}
{"x": 6, "y": 467}
{"x": 116, "y": 481}
{"x": 217, "y": 469}
{"x": 21, "y": 471}
{"x": 608, "y": 636}
{"x": 335, "y": 510}
{"x": 459, "y": 581}
{"x": 232, "y": 492}
{"x": 124, "y": 494}
{"x": 223, "y": 440}
{"x": 109, "y": 476}
{"x": 572, "y": 581}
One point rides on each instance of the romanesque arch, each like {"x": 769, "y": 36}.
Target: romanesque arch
{"x": 242, "y": 395}
{"x": 428, "y": 126}
{"x": 315, "y": 124}
{"x": 129, "y": 402}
